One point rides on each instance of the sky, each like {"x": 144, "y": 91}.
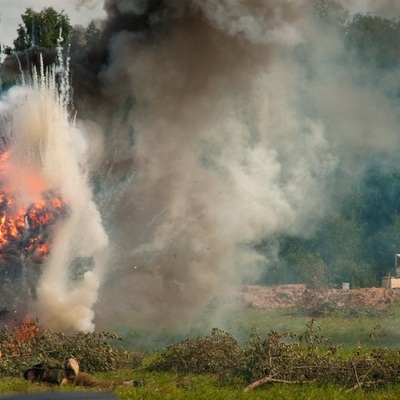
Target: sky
{"x": 80, "y": 13}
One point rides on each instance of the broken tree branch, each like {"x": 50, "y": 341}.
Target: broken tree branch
{"x": 270, "y": 379}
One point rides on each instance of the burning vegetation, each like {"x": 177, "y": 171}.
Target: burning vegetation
{"x": 24, "y": 231}
{"x": 25, "y": 239}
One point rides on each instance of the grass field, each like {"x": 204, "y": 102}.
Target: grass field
{"x": 176, "y": 387}
{"x": 365, "y": 328}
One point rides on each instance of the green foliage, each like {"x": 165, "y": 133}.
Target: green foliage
{"x": 355, "y": 244}
{"x": 42, "y": 28}
{"x": 26, "y": 345}
{"x": 260, "y": 354}
{"x": 218, "y": 354}
{"x": 284, "y": 357}
{"x": 358, "y": 272}
{"x": 330, "y": 12}
{"x": 374, "y": 40}
{"x": 82, "y": 38}
{"x": 299, "y": 262}
{"x": 196, "y": 368}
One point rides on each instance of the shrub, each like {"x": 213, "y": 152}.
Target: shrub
{"x": 27, "y": 345}
{"x": 280, "y": 357}
{"x": 218, "y": 354}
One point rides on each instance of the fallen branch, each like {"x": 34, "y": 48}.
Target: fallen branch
{"x": 270, "y": 379}
{"x": 359, "y": 384}
{"x": 356, "y": 386}
{"x": 2, "y": 358}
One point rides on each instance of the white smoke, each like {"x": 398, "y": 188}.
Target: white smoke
{"x": 46, "y": 153}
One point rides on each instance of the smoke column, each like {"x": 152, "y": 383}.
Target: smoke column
{"x": 47, "y": 152}
{"x": 217, "y": 157}
{"x": 220, "y": 135}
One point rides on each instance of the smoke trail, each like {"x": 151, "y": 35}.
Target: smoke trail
{"x": 46, "y": 153}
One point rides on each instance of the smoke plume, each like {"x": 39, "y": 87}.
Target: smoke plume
{"x": 223, "y": 136}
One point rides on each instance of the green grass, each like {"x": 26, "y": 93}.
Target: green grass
{"x": 165, "y": 386}
{"x": 367, "y": 328}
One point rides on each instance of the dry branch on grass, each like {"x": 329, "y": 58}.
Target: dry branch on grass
{"x": 270, "y": 379}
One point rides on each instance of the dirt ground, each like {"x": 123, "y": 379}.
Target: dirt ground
{"x": 286, "y": 296}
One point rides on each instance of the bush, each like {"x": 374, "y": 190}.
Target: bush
{"x": 281, "y": 357}
{"x": 218, "y": 354}
{"x": 27, "y": 345}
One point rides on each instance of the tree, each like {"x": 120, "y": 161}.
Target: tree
{"x": 330, "y": 12}
{"x": 42, "y": 29}
{"x": 374, "y": 40}
{"x": 82, "y": 38}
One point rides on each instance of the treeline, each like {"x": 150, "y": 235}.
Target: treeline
{"x": 358, "y": 241}
{"x": 48, "y": 29}
{"x": 356, "y": 244}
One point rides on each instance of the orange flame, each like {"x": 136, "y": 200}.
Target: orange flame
{"x": 23, "y": 230}
{"x": 24, "y": 333}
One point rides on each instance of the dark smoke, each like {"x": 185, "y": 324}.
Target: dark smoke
{"x": 25, "y": 61}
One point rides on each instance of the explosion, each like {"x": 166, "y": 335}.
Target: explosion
{"x": 51, "y": 236}
{"x": 25, "y": 230}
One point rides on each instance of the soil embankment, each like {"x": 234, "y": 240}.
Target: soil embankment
{"x": 286, "y": 296}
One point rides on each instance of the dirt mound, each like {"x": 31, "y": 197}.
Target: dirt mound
{"x": 264, "y": 297}
{"x": 286, "y": 296}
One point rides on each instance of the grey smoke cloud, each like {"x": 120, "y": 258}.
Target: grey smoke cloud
{"x": 231, "y": 139}
{"x": 90, "y": 4}
{"x": 222, "y": 157}
{"x": 384, "y": 8}
{"x": 258, "y": 22}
